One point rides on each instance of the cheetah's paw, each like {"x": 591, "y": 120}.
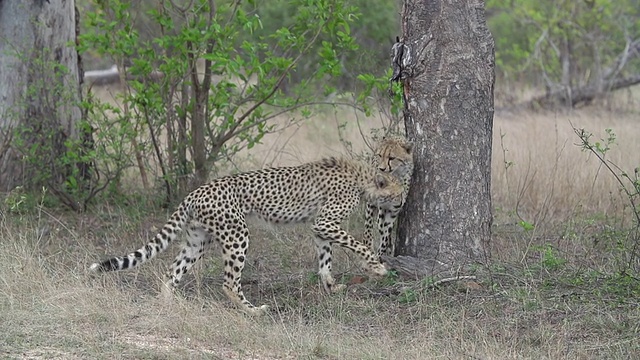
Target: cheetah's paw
{"x": 377, "y": 269}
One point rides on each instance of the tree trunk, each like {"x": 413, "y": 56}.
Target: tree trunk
{"x": 40, "y": 76}
{"x": 448, "y": 77}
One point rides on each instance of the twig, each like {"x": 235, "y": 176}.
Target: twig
{"x": 450, "y": 279}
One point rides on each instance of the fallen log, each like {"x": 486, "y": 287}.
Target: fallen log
{"x": 581, "y": 95}
{"x": 102, "y": 77}
{"x": 112, "y": 76}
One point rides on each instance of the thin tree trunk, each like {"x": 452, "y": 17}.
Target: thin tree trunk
{"x": 448, "y": 77}
{"x": 40, "y": 78}
{"x": 565, "y": 58}
{"x": 198, "y": 117}
{"x": 182, "y": 141}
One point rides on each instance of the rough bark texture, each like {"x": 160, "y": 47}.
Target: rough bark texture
{"x": 34, "y": 93}
{"x": 449, "y": 114}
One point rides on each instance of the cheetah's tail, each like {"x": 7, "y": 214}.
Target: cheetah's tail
{"x": 158, "y": 244}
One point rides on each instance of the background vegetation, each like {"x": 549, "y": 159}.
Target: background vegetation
{"x": 571, "y": 47}
{"x": 563, "y": 279}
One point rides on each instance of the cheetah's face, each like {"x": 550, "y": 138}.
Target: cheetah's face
{"x": 387, "y": 191}
{"x": 395, "y": 156}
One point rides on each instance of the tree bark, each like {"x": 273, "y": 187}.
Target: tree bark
{"x": 40, "y": 77}
{"x": 448, "y": 78}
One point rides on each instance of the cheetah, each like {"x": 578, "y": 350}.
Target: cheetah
{"x": 393, "y": 155}
{"x": 327, "y": 190}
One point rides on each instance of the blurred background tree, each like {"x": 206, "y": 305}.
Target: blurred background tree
{"x": 574, "y": 50}
{"x": 201, "y": 80}
{"x": 566, "y": 51}
{"x": 374, "y": 28}
{"x": 43, "y": 140}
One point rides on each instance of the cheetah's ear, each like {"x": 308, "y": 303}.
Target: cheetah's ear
{"x": 381, "y": 181}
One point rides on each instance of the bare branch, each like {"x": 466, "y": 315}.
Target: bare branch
{"x": 631, "y": 47}
{"x": 222, "y": 137}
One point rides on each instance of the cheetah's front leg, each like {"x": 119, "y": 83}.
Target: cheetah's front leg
{"x": 370, "y": 217}
{"x": 323, "y": 249}
{"x": 331, "y": 232}
{"x": 386, "y": 220}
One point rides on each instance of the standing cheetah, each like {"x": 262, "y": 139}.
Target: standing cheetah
{"x": 392, "y": 156}
{"x": 327, "y": 190}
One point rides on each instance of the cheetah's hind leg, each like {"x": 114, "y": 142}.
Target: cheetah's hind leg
{"x": 234, "y": 252}
{"x": 193, "y": 249}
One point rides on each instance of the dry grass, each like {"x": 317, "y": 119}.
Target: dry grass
{"x": 538, "y": 168}
{"x": 528, "y": 305}
{"x": 50, "y": 308}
